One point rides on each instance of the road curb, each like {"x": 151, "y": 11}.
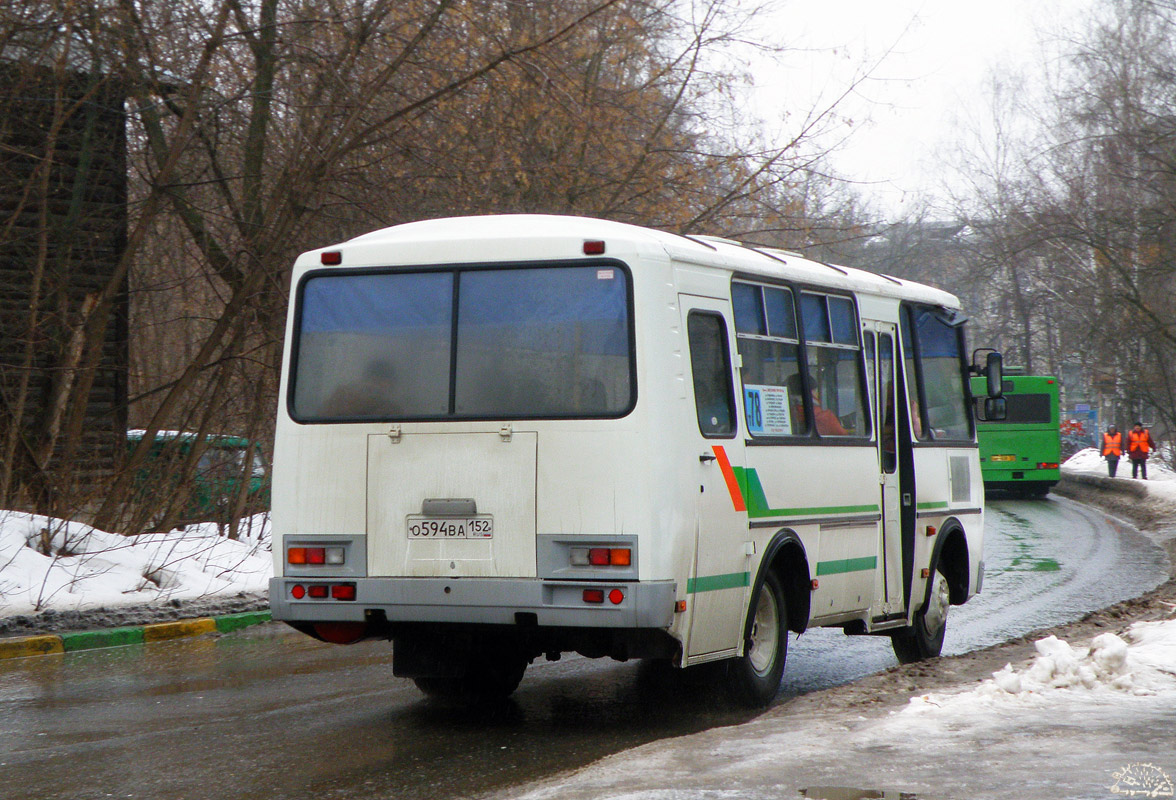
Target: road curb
{"x": 50, "y": 644}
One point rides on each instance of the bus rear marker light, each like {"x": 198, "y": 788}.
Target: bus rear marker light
{"x": 331, "y": 258}
{"x": 814, "y": 584}
{"x": 926, "y": 573}
{"x": 601, "y": 557}
{"x": 343, "y": 591}
{"x": 593, "y": 247}
{"x": 680, "y": 606}
{"x": 594, "y": 595}
{"x": 930, "y": 531}
{"x": 317, "y": 591}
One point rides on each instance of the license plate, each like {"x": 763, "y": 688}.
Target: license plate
{"x": 1003, "y": 458}
{"x": 479, "y": 527}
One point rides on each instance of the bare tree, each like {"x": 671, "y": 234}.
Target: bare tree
{"x": 260, "y": 128}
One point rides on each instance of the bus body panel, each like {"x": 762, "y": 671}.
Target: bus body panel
{"x": 486, "y": 477}
{"x": 794, "y": 487}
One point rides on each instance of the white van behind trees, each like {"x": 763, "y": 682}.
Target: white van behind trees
{"x": 504, "y": 437}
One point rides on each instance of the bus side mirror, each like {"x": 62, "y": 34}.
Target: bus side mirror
{"x": 994, "y": 371}
{"x": 995, "y": 409}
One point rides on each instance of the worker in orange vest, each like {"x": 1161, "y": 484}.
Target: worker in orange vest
{"x": 1112, "y": 449}
{"x": 1139, "y": 444}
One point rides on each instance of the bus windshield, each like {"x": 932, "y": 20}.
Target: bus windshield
{"x": 1027, "y": 409}
{"x": 504, "y": 343}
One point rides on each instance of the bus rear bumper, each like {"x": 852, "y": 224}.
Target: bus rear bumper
{"x": 486, "y": 601}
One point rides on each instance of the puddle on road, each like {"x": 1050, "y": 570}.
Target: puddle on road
{"x": 847, "y": 793}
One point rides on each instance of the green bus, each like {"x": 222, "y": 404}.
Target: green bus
{"x": 1020, "y": 454}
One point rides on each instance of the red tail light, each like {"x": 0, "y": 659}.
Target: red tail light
{"x": 598, "y": 556}
{"x": 594, "y": 595}
{"x": 318, "y": 591}
{"x": 343, "y": 591}
{"x": 1047, "y": 465}
{"x": 316, "y": 555}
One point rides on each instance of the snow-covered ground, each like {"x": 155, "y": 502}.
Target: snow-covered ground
{"x": 51, "y": 564}
{"x": 1081, "y": 722}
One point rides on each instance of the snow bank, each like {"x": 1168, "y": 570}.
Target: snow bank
{"x": 51, "y": 563}
{"x": 1109, "y": 674}
{"x": 1089, "y": 460}
{"x": 1160, "y": 486}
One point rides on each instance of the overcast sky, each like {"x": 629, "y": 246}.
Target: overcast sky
{"x": 934, "y": 58}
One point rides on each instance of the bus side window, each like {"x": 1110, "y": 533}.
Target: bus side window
{"x": 835, "y": 365}
{"x": 710, "y": 364}
{"x": 913, "y": 387}
{"x": 934, "y": 354}
{"x": 769, "y": 346}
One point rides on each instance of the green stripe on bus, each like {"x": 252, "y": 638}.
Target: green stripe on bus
{"x": 758, "y": 508}
{"x": 712, "y": 583}
{"x": 929, "y": 506}
{"x": 846, "y": 565}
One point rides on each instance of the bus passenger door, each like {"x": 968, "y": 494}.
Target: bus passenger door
{"x": 890, "y": 592}
{"x": 718, "y": 585}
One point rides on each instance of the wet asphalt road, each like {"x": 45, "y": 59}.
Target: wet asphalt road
{"x": 268, "y": 713}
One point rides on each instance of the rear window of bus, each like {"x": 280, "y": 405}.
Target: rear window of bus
{"x": 469, "y": 343}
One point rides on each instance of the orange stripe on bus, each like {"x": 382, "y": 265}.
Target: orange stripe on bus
{"x": 729, "y": 477}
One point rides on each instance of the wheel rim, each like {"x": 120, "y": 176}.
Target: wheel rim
{"x": 764, "y": 637}
{"x": 935, "y": 617}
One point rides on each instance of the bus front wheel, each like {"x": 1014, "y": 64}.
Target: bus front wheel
{"x": 754, "y": 677}
{"x": 924, "y": 639}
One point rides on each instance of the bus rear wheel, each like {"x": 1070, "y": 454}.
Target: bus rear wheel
{"x": 924, "y": 639}
{"x": 754, "y": 678}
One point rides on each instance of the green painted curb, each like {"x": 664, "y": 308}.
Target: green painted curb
{"x": 235, "y": 622}
{"x": 90, "y": 640}
{"x": 48, "y": 644}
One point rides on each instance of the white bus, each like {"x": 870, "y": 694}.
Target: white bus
{"x": 506, "y": 437}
